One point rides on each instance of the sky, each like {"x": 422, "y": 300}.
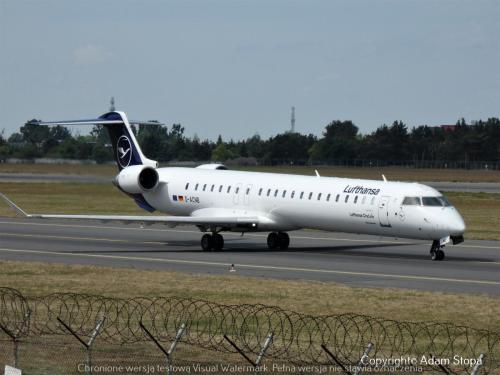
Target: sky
{"x": 236, "y": 67}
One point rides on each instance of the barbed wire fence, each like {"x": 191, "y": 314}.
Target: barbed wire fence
{"x": 250, "y": 331}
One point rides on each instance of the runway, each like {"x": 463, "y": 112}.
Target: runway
{"x": 356, "y": 260}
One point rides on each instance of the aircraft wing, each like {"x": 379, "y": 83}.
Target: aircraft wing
{"x": 230, "y": 221}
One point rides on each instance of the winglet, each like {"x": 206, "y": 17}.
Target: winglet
{"x": 18, "y": 209}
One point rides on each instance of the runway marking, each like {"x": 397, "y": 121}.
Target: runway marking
{"x": 127, "y": 241}
{"x": 255, "y": 266}
{"x": 238, "y": 235}
{"x": 81, "y": 238}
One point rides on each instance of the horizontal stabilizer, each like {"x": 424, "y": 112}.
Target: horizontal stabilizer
{"x": 97, "y": 121}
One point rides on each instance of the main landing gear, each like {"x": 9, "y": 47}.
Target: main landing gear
{"x": 278, "y": 240}
{"x": 436, "y": 251}
{"x": 211, "y": 242}
{"x": 215, "y": 241}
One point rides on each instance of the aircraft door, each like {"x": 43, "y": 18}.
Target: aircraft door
{"x": 247, "y": 192}
{"x": 236, "y": 194}
{"x": 383, "y": 211}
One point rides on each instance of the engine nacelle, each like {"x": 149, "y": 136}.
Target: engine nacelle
{"x": 137, "y": 179}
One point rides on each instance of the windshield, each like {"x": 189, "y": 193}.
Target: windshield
{"x": 435, "y": 201}
{"x": 411, "y": 201}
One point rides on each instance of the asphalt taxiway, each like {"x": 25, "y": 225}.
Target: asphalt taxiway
{"x": 471, "y": 267}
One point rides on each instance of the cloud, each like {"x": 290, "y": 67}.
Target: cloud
{"x": 91, "y": 54}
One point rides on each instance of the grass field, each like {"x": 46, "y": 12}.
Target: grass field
{"x": 392, "y": 173}
{"x": 315, "y": 298}
{"x": 481, "y": 211}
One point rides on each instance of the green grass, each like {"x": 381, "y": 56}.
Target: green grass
{"x": 392, "y": 173}
{"x": 316, "y": 298}
{"x": 481, "y": 211}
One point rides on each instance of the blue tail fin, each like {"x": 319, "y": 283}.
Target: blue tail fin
{"x": 126, "y": 150}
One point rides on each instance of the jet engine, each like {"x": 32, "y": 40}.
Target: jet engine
{"x": 137, "y": 179}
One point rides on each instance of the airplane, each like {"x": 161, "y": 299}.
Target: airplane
{"x": 218, "y": 200}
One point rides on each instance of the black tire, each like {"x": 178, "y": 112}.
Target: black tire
{"x": 207, "y": 242}
{"x": 218, "y": 241}
{"x": 434, "y": 255}
{"x": 440, "y": 254}
{"x": 284, "y": 240}
{"x": 273, "y": 241}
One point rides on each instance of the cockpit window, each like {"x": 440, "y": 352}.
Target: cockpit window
{"x": 444, "y": 201}
{"x": 411, "y": 201}
{"x": 432, "y": 201}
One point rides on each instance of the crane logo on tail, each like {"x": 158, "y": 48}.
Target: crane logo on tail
{"x": 123, "y": 151}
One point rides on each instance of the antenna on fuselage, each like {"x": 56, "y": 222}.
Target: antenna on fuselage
{"x": 317, "y": 173}
{"x": 385, "y": 179}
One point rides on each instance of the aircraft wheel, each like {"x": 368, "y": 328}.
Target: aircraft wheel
{"x": 437, "y": 254}
{"x": 207, "y": 242}
{"x": 433, "y": 254}
{"x": 284, "y": 240}
{"x": 273, "y": 241}
{"x": 218, "y": 241}
{"x": 440, "y": 254}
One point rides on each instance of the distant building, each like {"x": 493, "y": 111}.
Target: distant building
{"x": 448, "y": 128}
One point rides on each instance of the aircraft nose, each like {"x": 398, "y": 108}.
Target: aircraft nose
{"x": 456, "y": 225}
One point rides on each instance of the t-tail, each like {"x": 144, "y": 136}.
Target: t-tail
{"x": 126, "y": 150}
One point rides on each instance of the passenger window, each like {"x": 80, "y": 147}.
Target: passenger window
{"x": 346, "y": 198}
{"x": 228, "y": 189}
{"x": 248, "y": 191}
{"x": 284, "y": 193}
{"x": 196, "y": 187}
{"x": 301, "y": 195}
{"x": 356, "y": 199}
{"x": 276, "y": 193}
{"x": 411, "y": 201}
{"x": 237, "y": 190}
{"x": 319, "y": 196}
{"x": 310, "y": 195}
{"x": 212, "y": 188}
{"x": 204, "y": 187}
{"x": 260, "y": 192}
{"x": 337, "y": 198}
{"x": 187, "y": 186}
{"x": 268, "y": 192}
{"x": 328, "y": 197}
{"x": 293, "y": 194}
{"x": 364, "y": 200}
{"x": 220, "y": 189}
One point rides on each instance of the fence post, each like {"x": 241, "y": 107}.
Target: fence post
{"x": 367, "y": 351}
{"x": 330, "y": 354}
{"x": 478, "y": 365}
{"x": 357, "y": 368}
{"x": 87, "y": 345}
{"x": 171, "y": 350}
{"x": 15, "y": 336}
{"x": 261, "y": 354}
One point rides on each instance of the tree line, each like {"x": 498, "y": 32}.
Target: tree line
{"x": 341, "y": 140}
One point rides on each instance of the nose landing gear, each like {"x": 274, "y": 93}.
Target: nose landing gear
{"x": 436, "y": 251}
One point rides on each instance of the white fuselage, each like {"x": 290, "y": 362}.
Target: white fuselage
{"x": 285, "y": 202}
